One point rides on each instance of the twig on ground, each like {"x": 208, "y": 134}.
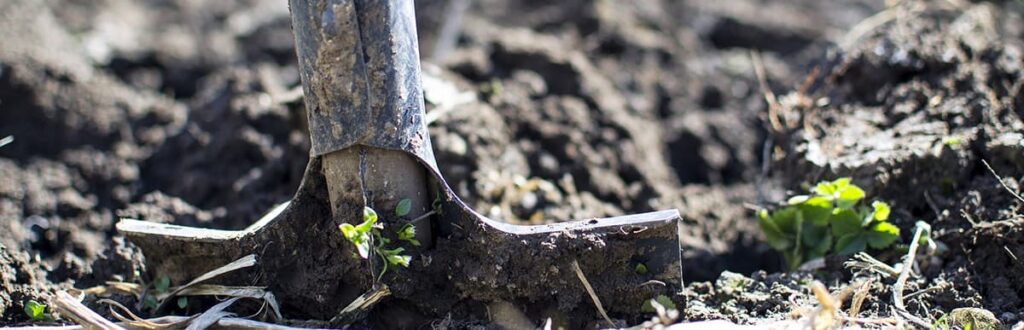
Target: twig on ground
{"x": 925, "y": 290}
{"x": 71, "y": 308}
{"x": 931, "y": 203}
{"x": 1005, "y": 186}
{"x": 901, "y": 281}
{"x": 864, "y": 261}
{"x": 769, "y": 96}
{"x": 590, "y": 291}
{"x": 859, "y": 296}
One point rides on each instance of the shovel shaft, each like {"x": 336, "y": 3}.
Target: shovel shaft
{"x": 359, "y": 64}
{"x": 360, "y": 71}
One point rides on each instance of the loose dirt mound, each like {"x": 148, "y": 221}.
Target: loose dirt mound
{"x": 186, "y": 112}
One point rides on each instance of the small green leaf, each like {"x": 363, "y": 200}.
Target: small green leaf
{"x": 35, "y": 310}
{"x": 952, "y": 141}
{"x": 392, "y": 252}
{"x": 819, "y": 250}
{"x": 408, "y": 234}
{"x": 162, "y": 284}
{"x": 825, "y": 189}
{"x": 798, "y": 199}
{"x": 182, "y": 302}
{"x": 403, "y": 207}
{"x": 925, "y": 234}
{"x": 399, "y": 260}
{"x": 150, "y": 302}
{"x": 349, "y": 231}
{"x": 845, "y": 222}
{"x": 662, "y": 300}
{"x": 882, "y": 235}
{"x": 850, "y": 244}
{"x": 369, "y": 218}
{"x": 817, "y": 210}
{"x": 395, "y": 258}
{"x": 786, "y": 219}
{"x": 640, "y": 268}
{"x": 881, "y": 210}
{"x": 813, "y": 236}
{"x": 776, "y": 239}
{"x": 848, "y": 196}
{"x": 363, "y": 247}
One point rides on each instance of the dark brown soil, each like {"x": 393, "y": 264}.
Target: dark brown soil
{"x": 182, "y": 112}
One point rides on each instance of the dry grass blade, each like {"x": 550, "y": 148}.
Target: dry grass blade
{"x": 254, "y": 292}
{"x": 212, "y": 315}
{"x": 590, "y": 291}
{"x": 244, "y": 262}
{"x": 112, "y": 287}
{"x": 361, "y": 304}
{"x": 134, "y": 321}
{"x": 71, "y": 308}
{"x": 901, "y": 281}
{"x": 178, "y": 322}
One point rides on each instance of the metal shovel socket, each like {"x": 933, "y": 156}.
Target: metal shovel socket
{"x": 360, "y": 72}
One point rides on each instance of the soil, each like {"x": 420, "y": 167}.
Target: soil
{"x": 185, "y": 112}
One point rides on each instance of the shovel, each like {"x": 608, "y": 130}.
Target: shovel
{"x": 360, "y": 72}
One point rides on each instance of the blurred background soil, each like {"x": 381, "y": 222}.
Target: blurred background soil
{"x": 189, "y": 112}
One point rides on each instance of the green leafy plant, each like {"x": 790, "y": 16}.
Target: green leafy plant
{"x": 368, "y": 240}
{"x": 831, "y": 219}
{"x": 408, "y": 234}
{"x": 36, "y": 311}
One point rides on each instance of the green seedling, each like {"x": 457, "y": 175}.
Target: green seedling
{"x": 408, "y": 234}
{"x": 403, "y": 207}
{"x": 368, "y": 240}
{"x": 182, "y": 302}
{"x": 36, "y": 311}
{"x": 831, "y": 219}
{"x": 640, "y": 268}
{"x": 662, "y": 300}
{"x": 162, "y": 284}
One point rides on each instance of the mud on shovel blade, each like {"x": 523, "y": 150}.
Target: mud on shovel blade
{"x": 360, "y": 73}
